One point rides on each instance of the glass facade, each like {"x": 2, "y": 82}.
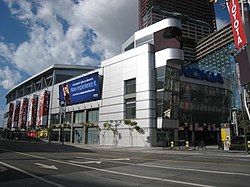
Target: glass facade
{"x": 167, "y": 83}
{"x": 198, "y": 109}
{"x": 220, "y": 61}
{"x": 204, "y": 104}
{"x": 79, "y": 117}
{"x": 93, "y": 116}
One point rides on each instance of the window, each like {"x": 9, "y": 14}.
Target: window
{"x": 130, "y": 108}
{"x": 93, "y": 116}
{"x": 160, "y": 76}
{"x": 130, "y": 86}
{"x": 55, "y": 119}
{"x": 79, "y": 117}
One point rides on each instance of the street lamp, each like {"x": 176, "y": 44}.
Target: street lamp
{"x": 62, "y": 120}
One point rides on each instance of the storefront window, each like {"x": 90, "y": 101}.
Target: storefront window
{"x": 93, "y": 115}
{"x": 79, "y": 117}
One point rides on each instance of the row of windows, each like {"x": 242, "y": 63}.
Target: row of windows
{"x": 79, "y": 117}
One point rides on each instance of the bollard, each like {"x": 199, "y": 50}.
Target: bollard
{"x": 187, "y": 145}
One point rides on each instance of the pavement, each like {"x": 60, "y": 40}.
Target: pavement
{"x": 209, "y": 150}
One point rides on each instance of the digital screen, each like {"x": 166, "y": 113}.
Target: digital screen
{"x": 80, "y": 90}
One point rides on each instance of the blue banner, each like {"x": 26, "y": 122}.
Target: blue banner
{"x": 80, "y": 90}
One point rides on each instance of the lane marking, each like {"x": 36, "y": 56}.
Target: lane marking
{"x": 96, "y": 161}
{"x": 46, "y": 166}
{"x": 109, "y": 171}
{"x": 86, "y": 162}
{"x": 31, "y": 175}
{"x": 173, "y": 168}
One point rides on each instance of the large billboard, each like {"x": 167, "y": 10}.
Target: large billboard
{"x": 43, "y": 108}
{"x": 80, "y": 90}
{"x": 170, "y": 37}
{"x": 32, "y": 112}
{"x": 23, "y": 113}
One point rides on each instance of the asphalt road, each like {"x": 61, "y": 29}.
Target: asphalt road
{"x": 43, "y": 164}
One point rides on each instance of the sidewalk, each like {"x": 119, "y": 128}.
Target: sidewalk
{"x": 209, "y": 150}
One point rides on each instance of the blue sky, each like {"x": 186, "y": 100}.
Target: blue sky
{"x": 36, "y": 34}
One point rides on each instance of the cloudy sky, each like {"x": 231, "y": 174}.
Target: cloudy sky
{"x": 36, "y": 34}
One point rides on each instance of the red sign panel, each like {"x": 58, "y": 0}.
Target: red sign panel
{"x": 16, "y": 115}
{"x": 43, "y": 108}
{"x": 236, "y": 21}
{"x": 32, "y": 110}
{"x": 23, "y": 113}
{"x": 11, "y": 109}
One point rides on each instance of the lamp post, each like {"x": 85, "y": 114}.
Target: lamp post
{"x": 62, "y": 112}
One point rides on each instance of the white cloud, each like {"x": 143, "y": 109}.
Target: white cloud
{"x": 6, "y": 52}
{"x": 8, "y": 78}
{"x": 221, "y": 23}
{"x": 70, "y": 32}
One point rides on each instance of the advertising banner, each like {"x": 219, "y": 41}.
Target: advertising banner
{"x": 43, "y": 108}
{"x": 170, "y": 37}
{"x": 80, "y": 90}
{"x": 23, "y": 113}
{"x": 32, "y": 112}
{"x": 236, "y": 22}
{"x": 9, "y": 120}
{"x": 15, "y": 115}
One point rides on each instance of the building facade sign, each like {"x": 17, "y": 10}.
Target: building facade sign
{"x": 80, "y": 90}
{"x": 199, "y": 74}
{"x": 236, "y": 22}
{"x": 23, "y": 113}
{"x": 43, "y": 108}
{"x": 32, "y": 111}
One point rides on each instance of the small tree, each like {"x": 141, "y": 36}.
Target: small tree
{"x": 113, "y": 126}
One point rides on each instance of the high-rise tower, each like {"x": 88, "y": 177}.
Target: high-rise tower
{"x": 197, "y": 19}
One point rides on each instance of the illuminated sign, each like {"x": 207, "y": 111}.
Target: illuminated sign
{"x": 196, "y": 73}
{"x": 236, "y": 21}
{"x": 80, "y": 90}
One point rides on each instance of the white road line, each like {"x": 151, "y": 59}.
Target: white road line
{"x": 86, "y": 162}
{"x": 115, "y": 172}
{"x": 32, "y": 175}
{"x": 46, "y": 166}
{"x": 196, "y": 170}
{"x": 138, "y": 176}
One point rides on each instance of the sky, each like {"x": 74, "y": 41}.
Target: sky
{"x": 37, "y": 34}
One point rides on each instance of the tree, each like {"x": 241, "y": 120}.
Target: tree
{"x": 113, "y": 126}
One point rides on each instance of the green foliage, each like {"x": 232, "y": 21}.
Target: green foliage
{"x": 132, "y": 125}
{"x": 87, "y": 124}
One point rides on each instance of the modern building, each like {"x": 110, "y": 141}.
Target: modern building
{"x": 197, "y": 20}
{"x": 141, "y": 97}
